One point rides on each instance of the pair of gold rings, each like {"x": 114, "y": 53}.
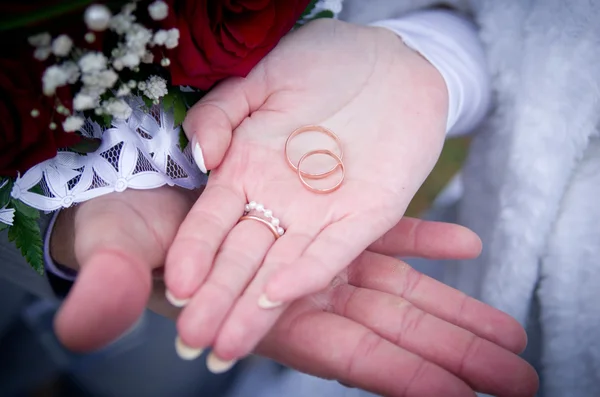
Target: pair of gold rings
{"x": 303, "y": 175}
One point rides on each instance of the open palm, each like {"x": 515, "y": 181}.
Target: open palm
{"x": 117, "y": 241}
{"x": 388, "y": 107}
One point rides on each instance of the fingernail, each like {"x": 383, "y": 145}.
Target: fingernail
{"x": 218, "y": 366}
{"x": 199, "y": 157}
{"x": 265, "y": 303}
{"x": 185, "y": 352}
{"x": 174, "y": 301}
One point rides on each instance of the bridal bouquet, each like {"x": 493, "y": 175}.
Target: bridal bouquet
{"x": 93, "y": 94}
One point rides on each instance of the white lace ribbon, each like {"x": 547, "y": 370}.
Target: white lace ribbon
{"x": 141, "y": 152}
{"x": 7, "y": 215}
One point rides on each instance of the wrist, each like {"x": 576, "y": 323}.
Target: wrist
{"x": 61, "y": 239}
{"x": 451, "y": 44}
{"x": 420, "y": 77}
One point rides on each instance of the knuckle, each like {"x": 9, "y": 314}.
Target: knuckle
{"x": 419, "y": 374}
{"x": 412, "y": 279}
{"x": 224, "y": 290}
{"x": 368, "y": 344}
{"x": 467, "y": 356}
{"x": 411, "y": 319}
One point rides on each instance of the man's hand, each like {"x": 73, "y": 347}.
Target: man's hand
{"x": 115, "y": 242}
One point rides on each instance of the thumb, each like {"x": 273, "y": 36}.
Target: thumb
{"x": 109, "y": 296}
{"x": 116, "y": 251}
{"x": 210, "y": 123}
{"x": 413, "y": 237}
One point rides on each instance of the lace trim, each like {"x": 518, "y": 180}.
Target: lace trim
{"x": 141, "y": 152}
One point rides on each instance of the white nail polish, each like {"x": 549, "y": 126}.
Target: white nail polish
{"x": 174, "y": 301}
{"x": 185, "y": 352}
{"x": 199, "y": 157}
{"x": 266, "y": 303}
{"x": 218, "y": 366}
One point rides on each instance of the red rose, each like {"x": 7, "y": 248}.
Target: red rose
{"x": 222, "y": 38}
{"x": 26, "y": 140}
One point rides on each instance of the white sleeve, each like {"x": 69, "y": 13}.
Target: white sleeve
{"x": 451, "y": 43}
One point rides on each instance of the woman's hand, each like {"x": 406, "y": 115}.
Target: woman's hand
{"x": 388, "y": 106}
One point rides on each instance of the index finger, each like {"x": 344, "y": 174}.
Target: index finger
{"x": 334, "y": 347}
{"x": 390, "y": 275}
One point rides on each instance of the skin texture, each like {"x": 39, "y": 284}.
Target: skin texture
{"x": 378, "y": 313}
{"x": 388, "y": 106}
{"x": 352, "y": 312}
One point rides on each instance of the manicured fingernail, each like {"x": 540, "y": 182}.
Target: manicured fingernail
{"x": 199, "y": 157}
{"x": 185, "y": 352}
{"x": 174, "y": 301}
{"x": 218, "y": 366}
{"x": 265, "y": 303}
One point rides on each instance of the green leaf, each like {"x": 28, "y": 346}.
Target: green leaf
{"x": 148, "y": 102}
{"x": 179, "y": 110}
{"x": 27, "y": 237}
{"x": 190, "y": 98}
{"x": 39, "y": 14}
{"x": 323, "y": 14}
{"x": 5, "y": 194}
{"x": 183, "y": 140}
{"x": 86, "y": 145}
{"x": 37, "y": 189}
{"x": 106, "y": 121}
{"x": 25, "y": 210}
{"x": 167, "y": 100}
{"x": 309, "y": 9}
{"x": 3, "y": 226}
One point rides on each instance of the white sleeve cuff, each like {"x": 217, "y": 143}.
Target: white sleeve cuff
{"x": 451, "y": 44}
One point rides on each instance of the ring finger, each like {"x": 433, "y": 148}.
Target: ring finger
{"x": 235, "y": 265}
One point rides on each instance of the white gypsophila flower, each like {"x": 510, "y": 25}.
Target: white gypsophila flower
{"x": 123, "y": 91}
{"x": 141, "y": 85}
{"x": 129, "y": 8}
{"x": 7, "y": 215}
{"x": 172, "y": 39}
{"x": 158, "y": 10}
{"x": 148, "y": 57}
{"x": 118, "y": 64}
{"x": 101, "y": 80}
{"x": 92, "y": 62}
{"x": 156, "y": 87}
{"x": 93, "y": 91}
{"x": 97, "y": 17}
{"x": 72, "y": 123}
{"x": 130, "y": 60}
{"x": 334, "y": 6}
{"x": 72, "y": 70}
{"x": 137, "y": 38}
{"x": 108, "y": 78}
{"x": 54, "y": 76}
{"x": 160, "y": 37}
{"x": 61, "y": 46}
{"x": 42, "y": 53}
{"x": 117, "y": 108}
{"x": 84, "y": 101}
{"x": 40, "y": 40}
{"x": 121, "y": 23}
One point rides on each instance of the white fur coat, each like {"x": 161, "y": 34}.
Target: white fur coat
{"x": 531, "y": 182}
